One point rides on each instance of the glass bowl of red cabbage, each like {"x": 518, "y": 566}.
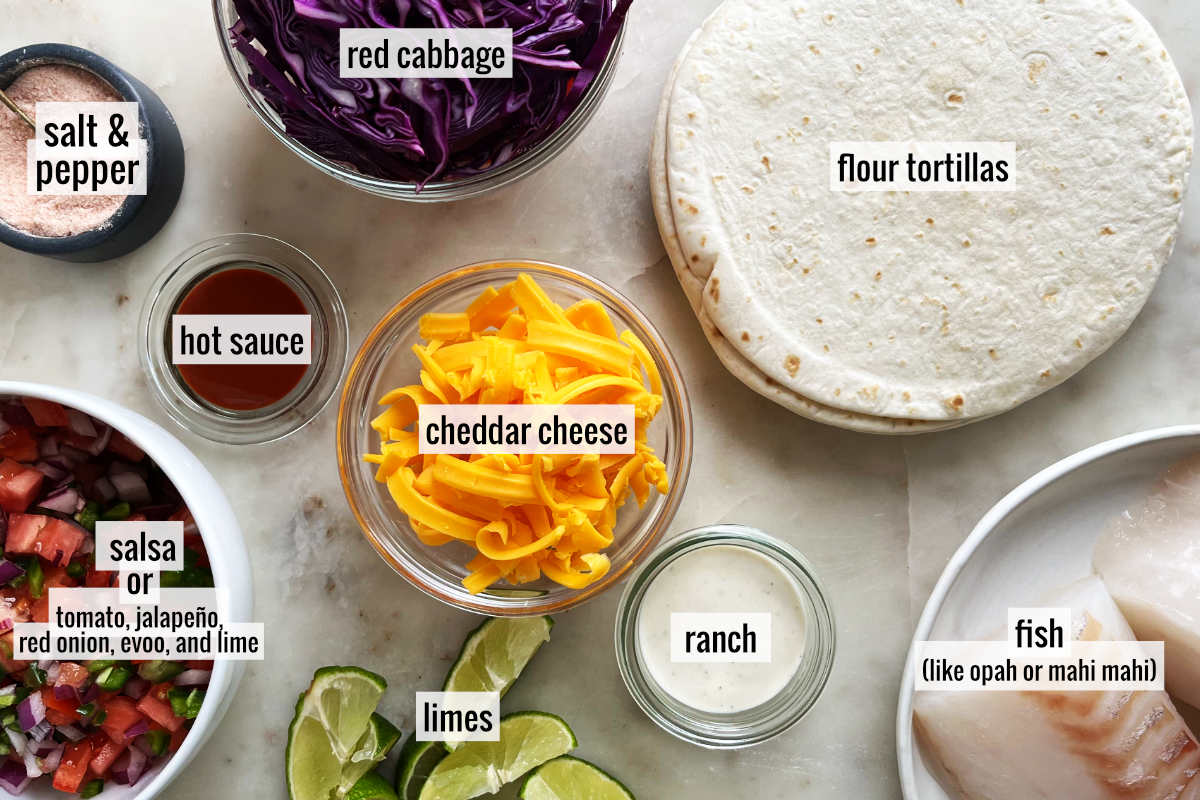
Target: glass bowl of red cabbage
{"x": 423, "y": 139}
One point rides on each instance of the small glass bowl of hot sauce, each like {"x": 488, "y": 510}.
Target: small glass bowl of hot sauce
{"x": 244, "y": 274}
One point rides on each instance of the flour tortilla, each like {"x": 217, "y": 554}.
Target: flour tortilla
{"x": 859, "y": 302}
{"x": 734, "y": 361}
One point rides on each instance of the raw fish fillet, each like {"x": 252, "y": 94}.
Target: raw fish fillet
{"x": 1150, "y": 561}
{"x": 1062, "y": 745}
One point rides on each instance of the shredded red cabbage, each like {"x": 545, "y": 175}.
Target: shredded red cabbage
{"x": 423, "y": 130}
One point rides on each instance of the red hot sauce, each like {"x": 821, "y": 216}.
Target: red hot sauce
{"x": 242, "y": 387}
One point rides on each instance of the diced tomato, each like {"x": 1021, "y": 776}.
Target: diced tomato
{"x": 19, "y": 443}
{"x": 105, "y": 753}
{"x": 177, "y": 738}
{"x": 126, "y": 449}
{"x": 73, "y": 767}
{"x": 59, "y": 541}
{"x": 46, "y": 413}
{"x": 96, "y": 580}
{"x": 71, "y": 674}
{"x": 156, "y": 706}
{"x": 60, "y": 709}
{"x": 199, "y": 665}
{"x": 23, "y": 531}
{"x": 121, "y": 715}
{"x": 19, "y": 485}
{"x": 49, "y": 537}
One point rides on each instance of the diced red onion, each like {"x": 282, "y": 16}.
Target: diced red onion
{"x": 131, "y": 488}
{"x": 64, "y": 501}
{"x": 52, "y": 672}
{"x": 128, "y": 767}
{"x": 73, "y": 455}
{"x": 194, "y": 677}
{"x": 91, "y": 694}
{"x": 32, "y": 768}
{"x": 13, "y": 777}
{"x": 51, "y": 471}
{"x": 41, "y": 731}
{"x": 45, "y": 663}
{"x": 31, "y": 711}
{"x": 137, "y": 729}
{"x": 81, "y": 423}
{"x": 71, "y": 733}
{"x": 101, "y": 441}
{"x": 87, "y": 547}
{"x": 104, "y": 488}
{"x": 48, "y": 446}
{"x": 136, "y": 688}
{"x": 8, "y": 571}
{"x": 65, "y": 692}
{"x": 50, "y": 760}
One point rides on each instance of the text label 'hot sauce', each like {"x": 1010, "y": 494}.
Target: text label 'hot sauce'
{"x": 241, "y": 339}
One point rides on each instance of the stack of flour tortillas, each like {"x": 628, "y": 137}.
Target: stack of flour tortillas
{"x": 905, "y": 312}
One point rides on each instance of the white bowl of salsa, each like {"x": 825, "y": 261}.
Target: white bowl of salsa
{"x": 222, "y": 543}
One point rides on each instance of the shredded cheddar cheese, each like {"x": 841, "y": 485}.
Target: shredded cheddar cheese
{"x": 527, "y": 516}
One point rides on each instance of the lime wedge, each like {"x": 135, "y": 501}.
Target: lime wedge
{"x": 372, "y": 748}
{"x": 371, "y": 787}
{"x": 527, "y": 739}
{"x": 331, "y": 720}
{"x": 494, "y": 655}
{"x": 417, "y": 760}
{"x": 568, "y": 778}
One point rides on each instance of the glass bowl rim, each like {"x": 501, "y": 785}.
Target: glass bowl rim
{"x": 674, "y": 388}
{"x": 435, "y": 191}
{"x": 756, "y": 725}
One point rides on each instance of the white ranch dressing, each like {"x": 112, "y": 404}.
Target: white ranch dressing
{"x": 722, "y": 578}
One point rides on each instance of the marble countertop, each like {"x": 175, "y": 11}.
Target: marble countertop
{"x": 878, "y": 516}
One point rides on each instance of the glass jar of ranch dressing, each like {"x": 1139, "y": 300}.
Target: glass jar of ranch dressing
{"x": 724, "y": 637}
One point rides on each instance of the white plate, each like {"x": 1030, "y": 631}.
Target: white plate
{"x": 1035, "y": 540}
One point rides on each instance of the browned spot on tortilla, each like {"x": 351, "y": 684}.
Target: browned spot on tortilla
{"x": 791, "y": 364}
{"x": 703, "y": 241}
{"x": 1102, "y": 53}
{"x": 878, "y": 274}
{"x": 820, "y": 321}
{"x": 714, "y": 289}
{"x": 1107, "y": 231}
{"x": 906, "y": 397}
{"x": 954, "y": 97}
{"x": 745, "y": 336}
{"x": 955, "y": 403}
{"x": 1079, "y": 344}
{"x": 966, "y": 242}
{"x": 805, "y": 121}
{"x": 814, "y": 50}
{"x": 770, "y": 381}
{"x": 992, "y": 352}
{"x": 806, "y": 270}
{"x": 1045, "y": 373}
{"x": 837, "y": 392}
{"x": 695, "y": 258}
{"x": 826, "y": 348}
{"x": 693, "y": 210}
{"x": 929, "y": 221}
{"x": 766, "y": 162}
{"x": 871, "y": 241}
{"x": 856, "y": 295}
{"x": 1036, "y": 68}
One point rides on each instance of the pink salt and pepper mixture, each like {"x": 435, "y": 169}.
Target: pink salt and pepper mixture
{"x": 47, "y": 215}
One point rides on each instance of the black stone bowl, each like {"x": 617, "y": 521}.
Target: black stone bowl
{"x": 140, "y": 216}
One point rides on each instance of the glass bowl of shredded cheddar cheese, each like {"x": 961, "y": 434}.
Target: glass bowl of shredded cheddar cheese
{"x": 508, "y": 533}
